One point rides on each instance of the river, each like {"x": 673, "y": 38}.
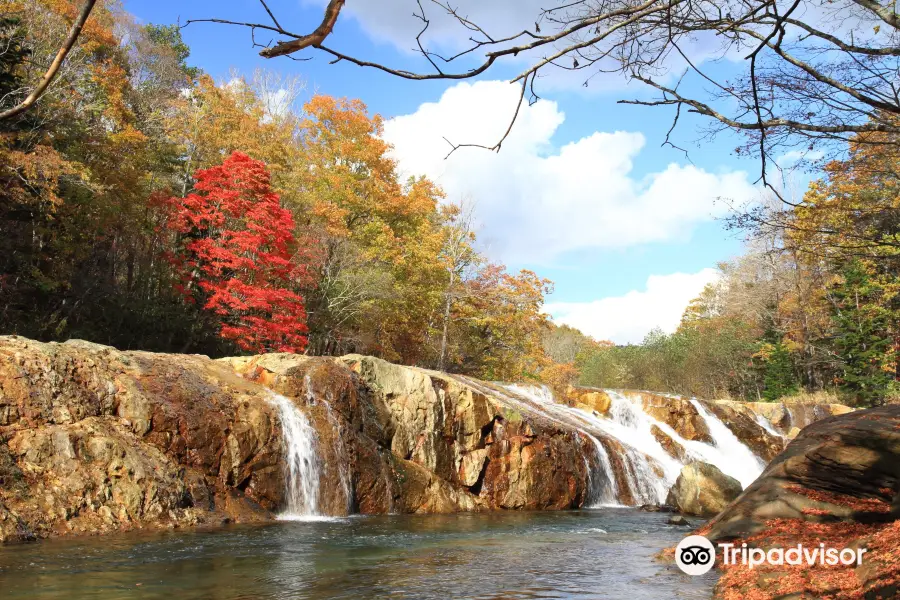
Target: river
{"x": 601, "y": 553}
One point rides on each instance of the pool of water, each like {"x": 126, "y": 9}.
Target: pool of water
{"x": 603, "y": 553}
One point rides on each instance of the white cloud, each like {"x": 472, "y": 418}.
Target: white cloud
{"x": 627, "y": 319}
{"x": 392, "y": 21}
{"x": 537, "y": 202}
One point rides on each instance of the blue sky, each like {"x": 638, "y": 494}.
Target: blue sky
{"x": 609, "y": 217}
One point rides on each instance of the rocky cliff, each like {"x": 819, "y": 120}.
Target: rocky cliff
{"x": 95, "y": 440}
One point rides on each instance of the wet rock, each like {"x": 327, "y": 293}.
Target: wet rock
{"x": 703, "y": 490}
{"x": 677, "y": 413}
{"x": 677, "y": 520}
{"x": 589, "y": 399}
{"x": 787, "y": 416}
{"x": 748, "y": 430}
{"x": 663, "y": 508}
{"x": 672, "y": 447}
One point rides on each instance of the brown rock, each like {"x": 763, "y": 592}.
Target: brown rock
{"x": 743, "y": 425}
{"x": 590, "y": 399}
{"x": 672, "y": 447}
{"x": 677, "y": 413}
{"x": 703, "y": 490}
{"x": 837, "y": 482}
{"x": 855, "y": 455}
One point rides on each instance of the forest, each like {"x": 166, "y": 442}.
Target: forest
{"x": 145, "y": 205}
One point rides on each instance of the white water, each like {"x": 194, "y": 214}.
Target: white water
{"x": 302, "y": 464}
{"x": 650, "y": 471}
{"x": 604, "y": 491}
{"x": 767, "y": 425}
{"x": 741, "y": 462}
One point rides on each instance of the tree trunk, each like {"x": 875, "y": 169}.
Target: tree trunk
{"x": 443, "y": 357}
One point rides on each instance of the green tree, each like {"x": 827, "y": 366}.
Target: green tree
{"x": 864, "y": 322}
{"x": 779, "y": 376}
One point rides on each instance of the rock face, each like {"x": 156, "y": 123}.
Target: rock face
{"x": 678, "y": 413}
{"x": 789, "y": 416}
{"x": 703, "y": 490}
{"x": 94, "y": 440}
{"x": 837, "y": 483}
{"x": 589, "y": 399}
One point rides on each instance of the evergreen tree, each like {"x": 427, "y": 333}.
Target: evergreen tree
{"x": 863, "y": 322}
{"x": 779, "y": 376}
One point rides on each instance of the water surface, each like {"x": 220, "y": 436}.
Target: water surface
{"x": 601, "y": 553}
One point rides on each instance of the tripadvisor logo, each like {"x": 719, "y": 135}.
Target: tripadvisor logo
{"x": 695, "y": 555}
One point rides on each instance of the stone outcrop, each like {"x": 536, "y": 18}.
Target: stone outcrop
{"x": 838, "y": 483}
{"x": 747, "y": 429}
{"x": 678, "y": 413}
{"x": 788, "y": 416}
{"x": 589, "y": 399}
{"x": 95, "y": 440}
{"x": 703, "y": 490}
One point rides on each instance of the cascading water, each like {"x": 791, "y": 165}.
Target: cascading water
{"x": 302, "y": 465}
{"x": 603, "y": 488}
{"x": 342, "y": 466}
{"x": 649, "y": 470}
{"x": 767, "y": 425}
{"x": 737, "y": 459}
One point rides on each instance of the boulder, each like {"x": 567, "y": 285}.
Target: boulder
{"x": 703, "y": 490}
{"x": 589, "y": 399}
{"x": 837, "y": 483}
{"x": 841, "y": 467}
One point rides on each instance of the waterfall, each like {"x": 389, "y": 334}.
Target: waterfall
{"x": 649, "y": 470}
{"x": 302, "y": 464}
{"x": 736, "y": 458}
{"x": 767, "y": 425}
{"x": 604, "y": 491}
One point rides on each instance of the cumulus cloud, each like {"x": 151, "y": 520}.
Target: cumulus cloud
{"x": 535, "y": 201}
{"x": 627, "y": 319}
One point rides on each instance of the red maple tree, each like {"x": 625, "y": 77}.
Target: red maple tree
{"x": 237, "y": 245}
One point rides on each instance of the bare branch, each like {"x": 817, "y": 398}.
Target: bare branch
{"x": 332, "y": 11}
